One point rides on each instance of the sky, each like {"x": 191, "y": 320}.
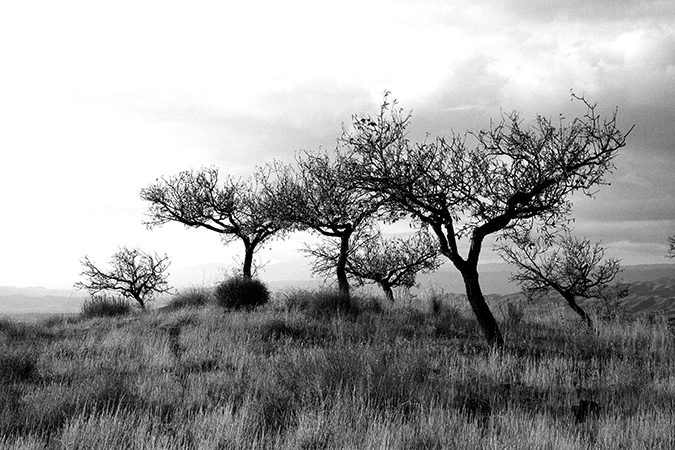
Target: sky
{"x": 99, "y": 99}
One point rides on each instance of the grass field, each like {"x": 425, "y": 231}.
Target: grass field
{"x": 292, "y": 376}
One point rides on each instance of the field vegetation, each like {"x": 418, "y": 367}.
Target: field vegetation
{"x": 319, "y": 370}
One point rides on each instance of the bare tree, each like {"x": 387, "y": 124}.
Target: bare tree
{"x": 319, "y": 194}
{"x": 389, "y": 262}
{"x": 671, "y": 247}
{"x": 563, "y": 263}
{"x": 235, "y": 209}
{"x": 511, "y": 177}
{"x": 133, "y": 274}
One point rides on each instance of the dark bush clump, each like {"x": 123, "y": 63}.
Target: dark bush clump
{"x": 241, "y": 293}
{"x": 191, "y": 297}
{"x": 104, "y": 306}
{"x": 321, "y": 304}
{"x": 276, "y": 329}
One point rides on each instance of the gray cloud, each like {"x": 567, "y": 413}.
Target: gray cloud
{"x": 590, "y": 11}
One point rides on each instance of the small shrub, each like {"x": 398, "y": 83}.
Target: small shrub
{"x": 57, "y": 320}
{"x": 513, "y": 313}
{"x": 104, "y": 306}
{"x": 295, "y": 299}
{"x": 191, "y": 297}
{"x": 241, "y": 293}
{"x": 276, "y": 329}
{"x": 368, "y": 304}
{"x": 322, "y": 304}
{"x": 449, "y": 322}
{"x": 436, "y": 305}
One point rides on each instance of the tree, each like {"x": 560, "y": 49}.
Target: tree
{"x": 511, "y": 177}
{"x": 389, "y": 262}
{"x": 671, "y": 245}
{"x": 133, "y": 274}
{"x": 236, "y": 209}
{"x": 563, "y": 263}
{"x": 319, "y": 194}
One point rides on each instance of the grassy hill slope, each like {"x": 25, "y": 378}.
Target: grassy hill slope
{"x": 303, "y": 378}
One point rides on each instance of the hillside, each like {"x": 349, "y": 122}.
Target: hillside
{"x": 294, "y": 376}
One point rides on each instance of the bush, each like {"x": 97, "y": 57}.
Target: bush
{"x": 104, "y": 306}
{"x": 191, "y": 297}
{"x": 324, "y": 303}
{"x": 365, "y": 303}
{"x": 513, "y": 313}
{"x": 241, "y": 293}
{"x": 58, "y": 319}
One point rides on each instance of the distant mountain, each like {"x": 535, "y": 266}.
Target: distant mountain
{"x": 39, "y": 291}
{"x": 652, "y": 296}
{"x": 647, "y": 272}
{"x": 652, "y": 286}
{"x": 645, "y": 297}
{"x": 27, "y": 304}
{"x": 494, "y": 278}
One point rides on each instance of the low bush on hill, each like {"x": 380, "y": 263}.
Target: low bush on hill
{"x": 322, "y": 304}
{"x": 416, "y": 376}
{"x": 104, "y": 306}
{"x": 241, "y": 293}
{"x": 191, "y": 297}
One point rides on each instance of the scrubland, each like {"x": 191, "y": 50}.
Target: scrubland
{"x": 307, "y": 371}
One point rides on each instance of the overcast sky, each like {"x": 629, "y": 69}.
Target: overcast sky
{"x": 97, "y": 101}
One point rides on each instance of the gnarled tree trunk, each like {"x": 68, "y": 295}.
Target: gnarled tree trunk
{"x": 248, "y": 260}
{"x": 480, "y": 308}
{"x": 576, "y": 308}
{"x": 341, "y": 269}
{"x": 388, "y": 292}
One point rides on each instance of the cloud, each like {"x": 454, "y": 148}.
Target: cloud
{"x": 274, "y": 124}
{"x": 472, "y": 88}
{"x": 592, "y": 12}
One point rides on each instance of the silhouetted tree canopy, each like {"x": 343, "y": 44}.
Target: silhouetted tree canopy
{"x": 563, "y": 263}
{"x": 133, "y": 274}
{"x": 235, "y": 209}
{"x": 389, "y": 262}
{"x": 482, "y": 183}
{"x": 319, "y": 193}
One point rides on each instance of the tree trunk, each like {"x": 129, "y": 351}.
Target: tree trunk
{"x": 248, "y": 260}
{"x": 386, "y": 287}
{"x": 341, "y": 269}
{"x": 577, "y": 309}
{"x": 480, "y": 308}
{"x": 140, "y": 301}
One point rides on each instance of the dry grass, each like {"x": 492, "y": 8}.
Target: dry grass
{"x": 288, "y": 378}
